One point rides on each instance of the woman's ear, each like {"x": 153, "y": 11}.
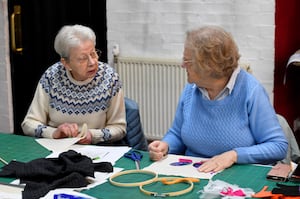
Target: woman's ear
{"x": 65, "y": 63}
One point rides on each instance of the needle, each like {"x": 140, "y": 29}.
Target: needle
{"x": 3, "y": 161}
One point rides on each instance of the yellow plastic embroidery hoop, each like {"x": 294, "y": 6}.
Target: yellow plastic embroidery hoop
{"x": 175, "y": 193}
{"x": 132, "y": 184}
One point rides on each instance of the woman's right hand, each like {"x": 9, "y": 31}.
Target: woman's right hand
{"x": 66, "y": 130}
{"x": 157, "y": 150}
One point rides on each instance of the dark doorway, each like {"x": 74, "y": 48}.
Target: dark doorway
{"x": 287, "y": 42}
{"x": 40, "y": 22}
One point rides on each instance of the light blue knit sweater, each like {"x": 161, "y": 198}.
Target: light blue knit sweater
{"x": 244, "y": 121}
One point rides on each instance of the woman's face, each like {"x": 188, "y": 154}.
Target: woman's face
{"x": 83, "y": 61}
{"x": 192, "y": 76}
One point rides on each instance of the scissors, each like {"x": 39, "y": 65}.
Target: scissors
{"x": 136, "y": 156}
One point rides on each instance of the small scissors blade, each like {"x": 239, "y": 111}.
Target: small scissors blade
{"x": 137, "y": 165}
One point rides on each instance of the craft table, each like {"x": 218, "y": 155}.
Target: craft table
{"x": 24, "y": 148}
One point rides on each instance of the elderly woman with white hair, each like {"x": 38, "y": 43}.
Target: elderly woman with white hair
{"x": 78, "y": 92}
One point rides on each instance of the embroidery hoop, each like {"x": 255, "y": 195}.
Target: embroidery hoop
{"x": 175, "y": 193}
{"x": 132, "y": 184}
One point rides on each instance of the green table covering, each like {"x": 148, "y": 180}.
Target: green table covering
{"x": 24, "y": 148}
{"x": 246, "y": 176}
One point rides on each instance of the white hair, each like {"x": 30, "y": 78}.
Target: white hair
{"x": 70, "y": 36}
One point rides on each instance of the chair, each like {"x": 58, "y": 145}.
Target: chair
{"x": 135, "y": 137}
{"x": 293, "y": 153}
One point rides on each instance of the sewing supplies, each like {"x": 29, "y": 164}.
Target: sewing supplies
{"x": 67, "y": 196}
{"x": 170, "y": 181}
{"x": 198, "y": 164}
{"x": 217, "y": 188}
{"x": 3, "y": 161}
{"x": 228, "y": 191}
{"x": 136, "y": 156}
{"x": 163, "y": 180}
{"x": 177, "y": 180}
{"x": 265, "y": 194}
{"x": 179, "y": 163}
{"x": 183, "y": 162}
{"x": 153, "y": 176}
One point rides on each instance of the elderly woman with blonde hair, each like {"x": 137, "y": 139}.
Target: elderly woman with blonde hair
{"x": 224, "y": 114}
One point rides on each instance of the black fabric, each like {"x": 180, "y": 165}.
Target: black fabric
{"x": 69, "y": 170}
{"x": 287, "y": 190}
{"x": 40, "y": 188}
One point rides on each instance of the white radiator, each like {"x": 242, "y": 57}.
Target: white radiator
{"x": 156, "y": 86}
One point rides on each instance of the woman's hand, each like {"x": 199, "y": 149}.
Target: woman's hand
{"x": 66, "y": 130}
{"x": 157, "y": 150}
{"x": 219, "y": 162}
{"x": 87, "y": 139}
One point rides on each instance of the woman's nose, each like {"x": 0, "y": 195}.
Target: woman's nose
{"x": 91, "y": 60}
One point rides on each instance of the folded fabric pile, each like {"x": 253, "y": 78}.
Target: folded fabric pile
{"x": 69, "y": 170}
{"x": 287, "y": 190}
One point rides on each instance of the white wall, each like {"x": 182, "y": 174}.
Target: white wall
{"x": 156, "y": 29}
{"x": 6, "y": 116}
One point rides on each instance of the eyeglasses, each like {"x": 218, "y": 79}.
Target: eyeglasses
{"x": 186, "y": 61}
{"x": 84, "y": 59}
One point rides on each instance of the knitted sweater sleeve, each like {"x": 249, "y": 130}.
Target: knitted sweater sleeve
{"x": 271, "y": 144}
{"x": 173, "y": 136}
{"x": 36, "y": 118}
{"x": 115, "y": 128}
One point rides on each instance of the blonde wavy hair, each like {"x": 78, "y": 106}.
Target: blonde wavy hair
{"x": 214, "y": 51}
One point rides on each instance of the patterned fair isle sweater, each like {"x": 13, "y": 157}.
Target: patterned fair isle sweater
{"x": 98, "y": 102}
{"x": 244, "y": 121}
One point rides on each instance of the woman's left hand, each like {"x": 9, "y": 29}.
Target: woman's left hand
{"x": 219, "y": 162}
{"x": 86, "y": 139}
